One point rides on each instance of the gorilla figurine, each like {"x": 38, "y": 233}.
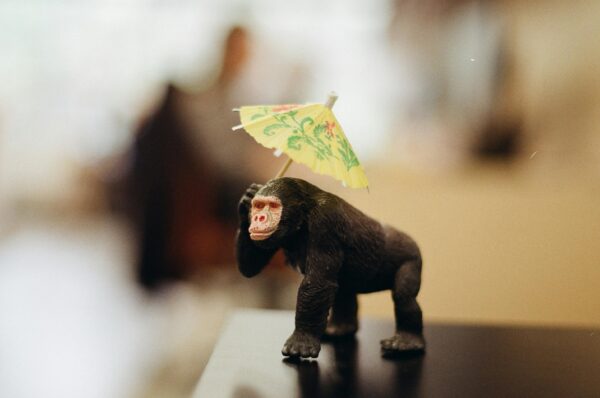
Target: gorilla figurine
{"x": 340, "y": 252}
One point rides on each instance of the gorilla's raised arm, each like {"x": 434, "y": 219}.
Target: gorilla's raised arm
{"x": 251, "y": 259}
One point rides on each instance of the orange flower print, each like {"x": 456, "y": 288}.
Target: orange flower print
{"x": 329, "y": 126}
{"x": 284, "y": 108}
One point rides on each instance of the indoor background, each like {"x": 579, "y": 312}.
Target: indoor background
{"x": 476, "y": 122}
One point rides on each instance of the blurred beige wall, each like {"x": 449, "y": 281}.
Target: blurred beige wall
{"x": 499, "y": 246}
{"x": 555, "y": 85}
{"x": 517, "y": 245}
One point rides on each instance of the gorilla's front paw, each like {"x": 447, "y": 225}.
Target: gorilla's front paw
{"x": 303, "y": 345}
{"x": 403, "y": 342}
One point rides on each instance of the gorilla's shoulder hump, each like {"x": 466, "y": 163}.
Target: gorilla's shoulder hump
{"x": 294, "y": 184}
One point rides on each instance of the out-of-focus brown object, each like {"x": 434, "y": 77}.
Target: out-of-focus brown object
{"x": 184, "y": 199}
{"x": 180, "y": 202}
{"x": 501, "y": 135}
{"x": 188, "y": 172}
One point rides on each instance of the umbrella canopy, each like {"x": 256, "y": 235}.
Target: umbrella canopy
{"x": 309, "y": 134}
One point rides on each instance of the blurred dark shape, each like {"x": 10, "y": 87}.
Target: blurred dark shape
{"x": 183, "y": 204}
{"x": 501, "y": 137}
{"x": 183, "y": 207}
{"x": 461, "y": 56}
{"x": 236, "y": 54}
{"x": 188, "y": 172}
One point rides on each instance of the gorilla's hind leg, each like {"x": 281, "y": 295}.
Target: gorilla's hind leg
{"x": 343, "y": 319}
{"x": 409, "y": 318}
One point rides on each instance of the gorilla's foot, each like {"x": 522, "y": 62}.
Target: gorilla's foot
{"x": 303, "y": 345}
{"x": 402, "y": 342}
{"x": 341, "y": 329}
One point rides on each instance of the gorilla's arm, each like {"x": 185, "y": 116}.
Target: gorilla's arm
{"x": 315, "y": 297}
{"x": 250, "y": 258}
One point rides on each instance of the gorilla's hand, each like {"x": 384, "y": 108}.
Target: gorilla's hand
{"x": 244, "y": 205}
{"x": 301, "y": 344}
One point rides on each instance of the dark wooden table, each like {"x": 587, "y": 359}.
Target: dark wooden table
{"x": 461, "y": 361}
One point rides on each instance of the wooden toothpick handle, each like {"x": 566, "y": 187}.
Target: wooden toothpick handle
{"x": 331, "y": 99}
{"x": 285, "y": 167}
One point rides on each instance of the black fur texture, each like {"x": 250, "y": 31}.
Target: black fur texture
{"x": 341, "y": 252}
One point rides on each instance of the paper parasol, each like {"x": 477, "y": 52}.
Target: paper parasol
{"x": 309, "y": 134}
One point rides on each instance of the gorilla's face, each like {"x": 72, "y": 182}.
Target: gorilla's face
{"x": 264, "y": 216}
{"x": 277, "y": 213}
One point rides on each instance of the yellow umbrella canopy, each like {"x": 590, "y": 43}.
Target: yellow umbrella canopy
{"x": 309, "y": 134}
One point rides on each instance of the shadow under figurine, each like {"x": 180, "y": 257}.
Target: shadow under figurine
{"x": 341, "y": 252}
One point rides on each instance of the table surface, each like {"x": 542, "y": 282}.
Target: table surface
{"x": 461, "y": 361}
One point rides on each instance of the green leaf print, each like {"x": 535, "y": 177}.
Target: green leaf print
{"x": 265, "y": 112}
{"x": 294, "y": 142}
{"x": 271, "y": 129}
{"x": 306, "y": 120}
{"x": 318, "y": 130}
{"x": 347, "y": 154}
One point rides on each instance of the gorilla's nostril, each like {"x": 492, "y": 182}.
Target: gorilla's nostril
{"x": 262, "y": 218}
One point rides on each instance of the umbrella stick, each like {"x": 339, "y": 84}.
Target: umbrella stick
{"x": 331, "y": 98}
{"x": 330, "y": 101}
{"x": 285, "y": 167}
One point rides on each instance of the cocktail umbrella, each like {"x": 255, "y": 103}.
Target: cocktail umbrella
{"x": 309, "y": 134}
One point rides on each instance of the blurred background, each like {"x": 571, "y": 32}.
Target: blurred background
{"x": 476, "y": 121}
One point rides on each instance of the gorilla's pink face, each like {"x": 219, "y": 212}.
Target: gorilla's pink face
{"x": 264, "y": 216}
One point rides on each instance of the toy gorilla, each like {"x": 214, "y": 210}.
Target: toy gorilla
{"x": 340, "y": 251}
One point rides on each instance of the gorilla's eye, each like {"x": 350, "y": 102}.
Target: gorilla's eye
{"x": 274, "y": 205}
{"x": 259, "y": 205}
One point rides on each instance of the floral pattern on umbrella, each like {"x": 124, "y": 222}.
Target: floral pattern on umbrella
{"x": 308, "y": 134}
